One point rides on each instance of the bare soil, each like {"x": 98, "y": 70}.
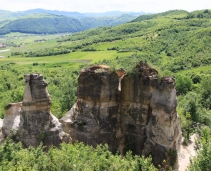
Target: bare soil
{"x": 185, "y": 153}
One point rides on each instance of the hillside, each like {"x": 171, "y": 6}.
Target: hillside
{"x": 174, "y": 40}
{"x": 40, "y": 21}
{"x": 44, "y": 25}
{"x": 177, "y": 43}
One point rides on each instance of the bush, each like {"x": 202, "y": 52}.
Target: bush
{"x": 202, "y": 162}
{"x": 183, "y": 84}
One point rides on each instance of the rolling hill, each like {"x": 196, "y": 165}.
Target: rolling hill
{"x": 174, "y": 40}
{"x": 40, "y": 21}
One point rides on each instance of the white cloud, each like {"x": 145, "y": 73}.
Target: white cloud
{"x": 106, "y": 5}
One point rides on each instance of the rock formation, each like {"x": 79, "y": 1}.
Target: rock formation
{"x": 136, "y": 112}
{"x": 93, "y": 119}
{"x": 127, "y": 112}
{"x": 37, "y": 124}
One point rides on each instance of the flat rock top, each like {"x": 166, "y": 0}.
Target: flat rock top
{"x": 97, "y": 68}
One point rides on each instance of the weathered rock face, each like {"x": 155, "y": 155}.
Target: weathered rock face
{"x": 37, "y": 124}
{"x": 1, "y": 131}
{"x": 92, "y": 119}
{"x": 163, "y": 129}
{"x": 141, "y": 116}
{"x": 128, "y": 112}
{"x": 11, "y": 118}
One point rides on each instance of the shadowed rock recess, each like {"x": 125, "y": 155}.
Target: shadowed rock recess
{"x": 128, "y": 112}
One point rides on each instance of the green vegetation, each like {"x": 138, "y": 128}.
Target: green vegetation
{"x": 44, "y": 25}
{"x": 176, "y": 43}
{"x": 202, "y": 161}
{"x": 69, "y": 157}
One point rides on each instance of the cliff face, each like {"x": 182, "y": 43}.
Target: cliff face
{"x": 136, "y": 112}
{"x": 37, "y": 124}
{"x": 92, "y": 119}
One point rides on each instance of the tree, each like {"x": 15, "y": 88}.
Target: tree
{"x": 183, "y": 84}
{"x": 205, "y": 90}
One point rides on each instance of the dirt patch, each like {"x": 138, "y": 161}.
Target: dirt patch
{"x": 82, "y": 61}
{"x": 146, "y": 70}
{"x": 97, "y": 68}
{"x": 185, "y": 153}
{"x": 6, "y": 50}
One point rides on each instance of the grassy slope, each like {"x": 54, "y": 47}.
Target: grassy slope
{"x": 161, "y": 41}
{"x": 153, "y": 37}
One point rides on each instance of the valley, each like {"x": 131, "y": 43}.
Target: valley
{"x": 176, "y": 43}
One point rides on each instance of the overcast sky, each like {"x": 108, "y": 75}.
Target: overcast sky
{"x": 106, "y": 5}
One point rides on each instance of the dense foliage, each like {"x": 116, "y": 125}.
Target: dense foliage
{"x": 69, "y": 157}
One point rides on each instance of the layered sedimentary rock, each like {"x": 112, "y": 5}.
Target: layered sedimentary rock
{"x": 128, "y": 112}
{"x": 92, "y": 119}
{"x": 37, "y": 124}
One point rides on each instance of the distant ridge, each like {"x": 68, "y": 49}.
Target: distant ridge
{"x": 55, "y": 12}
{"x": 74, "y": 14}
{"x": 41, "y": 21}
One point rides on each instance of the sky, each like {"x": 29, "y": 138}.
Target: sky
{"x": 153, "y": 6}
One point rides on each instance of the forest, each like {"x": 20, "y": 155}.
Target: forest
{"x": 176, "y": 43}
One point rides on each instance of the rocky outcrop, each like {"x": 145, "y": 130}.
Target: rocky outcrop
{"x": 37, "y": 124}
{"x": 136, "y": 112}
{"x": 93, "y": 119}
{"x": 127, "y": 112}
